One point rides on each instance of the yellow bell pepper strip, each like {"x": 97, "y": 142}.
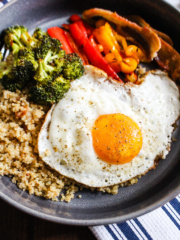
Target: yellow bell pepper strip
{"x": 111, "y": 48}
{"x": 91, "y": 52}
{"x": 131, "y": 77}
{"x": 120, "y": 39}
{"x": 105, "y": 37}
{"x": 134, "y": 52}
{"x": 111, "y": 59}
{"x": 128, "y": 65}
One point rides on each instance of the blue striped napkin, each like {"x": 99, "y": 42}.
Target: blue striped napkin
{"x": 160, "y": 224}
{"x": 4, "y": 2}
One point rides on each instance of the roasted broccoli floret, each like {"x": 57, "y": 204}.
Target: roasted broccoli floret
{"x": 18, "y": 77}
{"x": 15, "y": 74}
{"x": 28, "y": 55}
{"x": 12, "y": 38}
{"x": 17, "y": 37}
{"x": 6, "y": 66}
{"x": 38, "y": 63}
{"x": 49, "y": 56}
{"x": 45, "y": 44}
{"x": 49, "y": 67}
{"x": 51, "y": 92}
{"x": 73, "y": 67}
{"x": 28, "y": 40}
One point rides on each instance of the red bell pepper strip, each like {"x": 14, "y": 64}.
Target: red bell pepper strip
{"x": 74, "y": 18}
{"x": 91, "y": 52}
{"x": 58, "y": 33}
{"x": 82, "y": 27}
{"x": 96, "y": 45}
{"x": 79, "y": 20}
{"x": 87, "y": 29}
{"x": 65, "y": 26}
{"x": 75, "y": 47}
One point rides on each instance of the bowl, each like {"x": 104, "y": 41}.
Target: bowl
{"x": 95, "y": 208}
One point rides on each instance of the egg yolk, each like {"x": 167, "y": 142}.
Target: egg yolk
{"x": 117, "y": 139}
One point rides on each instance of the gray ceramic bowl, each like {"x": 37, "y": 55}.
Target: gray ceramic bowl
{"x": 95, "y": 208}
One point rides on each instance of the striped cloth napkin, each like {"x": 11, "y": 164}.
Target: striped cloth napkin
{"x": 4, "y": 2}
{"x": 160, "y": 224}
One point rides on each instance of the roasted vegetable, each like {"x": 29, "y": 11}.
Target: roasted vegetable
{"x": 58, "y": 33}
{"x": 93, "y": 55}
{"x": 141, "y": 22}
{"x": 17, "y": 37}
{"x": 51, "y": 92}
{"x": 38, "y": 63}
{"x": 6, "y": 66}
{"x": 27, "y": 55}
{"x": 51, "y": 65}
{"x": 45, "y": 44}
{"x": 74, "y": 18}
{"x": 73, "y": 67}
{"x": 104, "y": 35}
{"x": 167, "y": 57}
{"x": 76, "y": 48}
{"x": 18, "y": 76}
{"x": 144, "y": 37}
{"x": 106, "y": 38}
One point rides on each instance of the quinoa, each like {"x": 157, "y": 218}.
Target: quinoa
{"x": 20, "y": 123}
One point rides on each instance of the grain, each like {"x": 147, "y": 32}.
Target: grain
{"x": 20, "y": 123}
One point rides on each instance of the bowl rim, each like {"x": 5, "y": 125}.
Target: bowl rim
{"x": 95, "y": 222}
{"x": 76, "y": 222}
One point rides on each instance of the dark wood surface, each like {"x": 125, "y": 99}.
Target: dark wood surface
{"x": 16, "y": 225}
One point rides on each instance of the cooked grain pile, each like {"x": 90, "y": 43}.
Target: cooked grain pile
{"x": 20, "y": 123}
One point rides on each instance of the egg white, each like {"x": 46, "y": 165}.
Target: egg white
{"x": 65, "y": 141}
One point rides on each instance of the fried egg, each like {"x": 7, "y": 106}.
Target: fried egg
{"x": 104, "y": 132}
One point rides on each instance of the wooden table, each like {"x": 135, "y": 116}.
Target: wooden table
{"x": 16, "y": 225}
